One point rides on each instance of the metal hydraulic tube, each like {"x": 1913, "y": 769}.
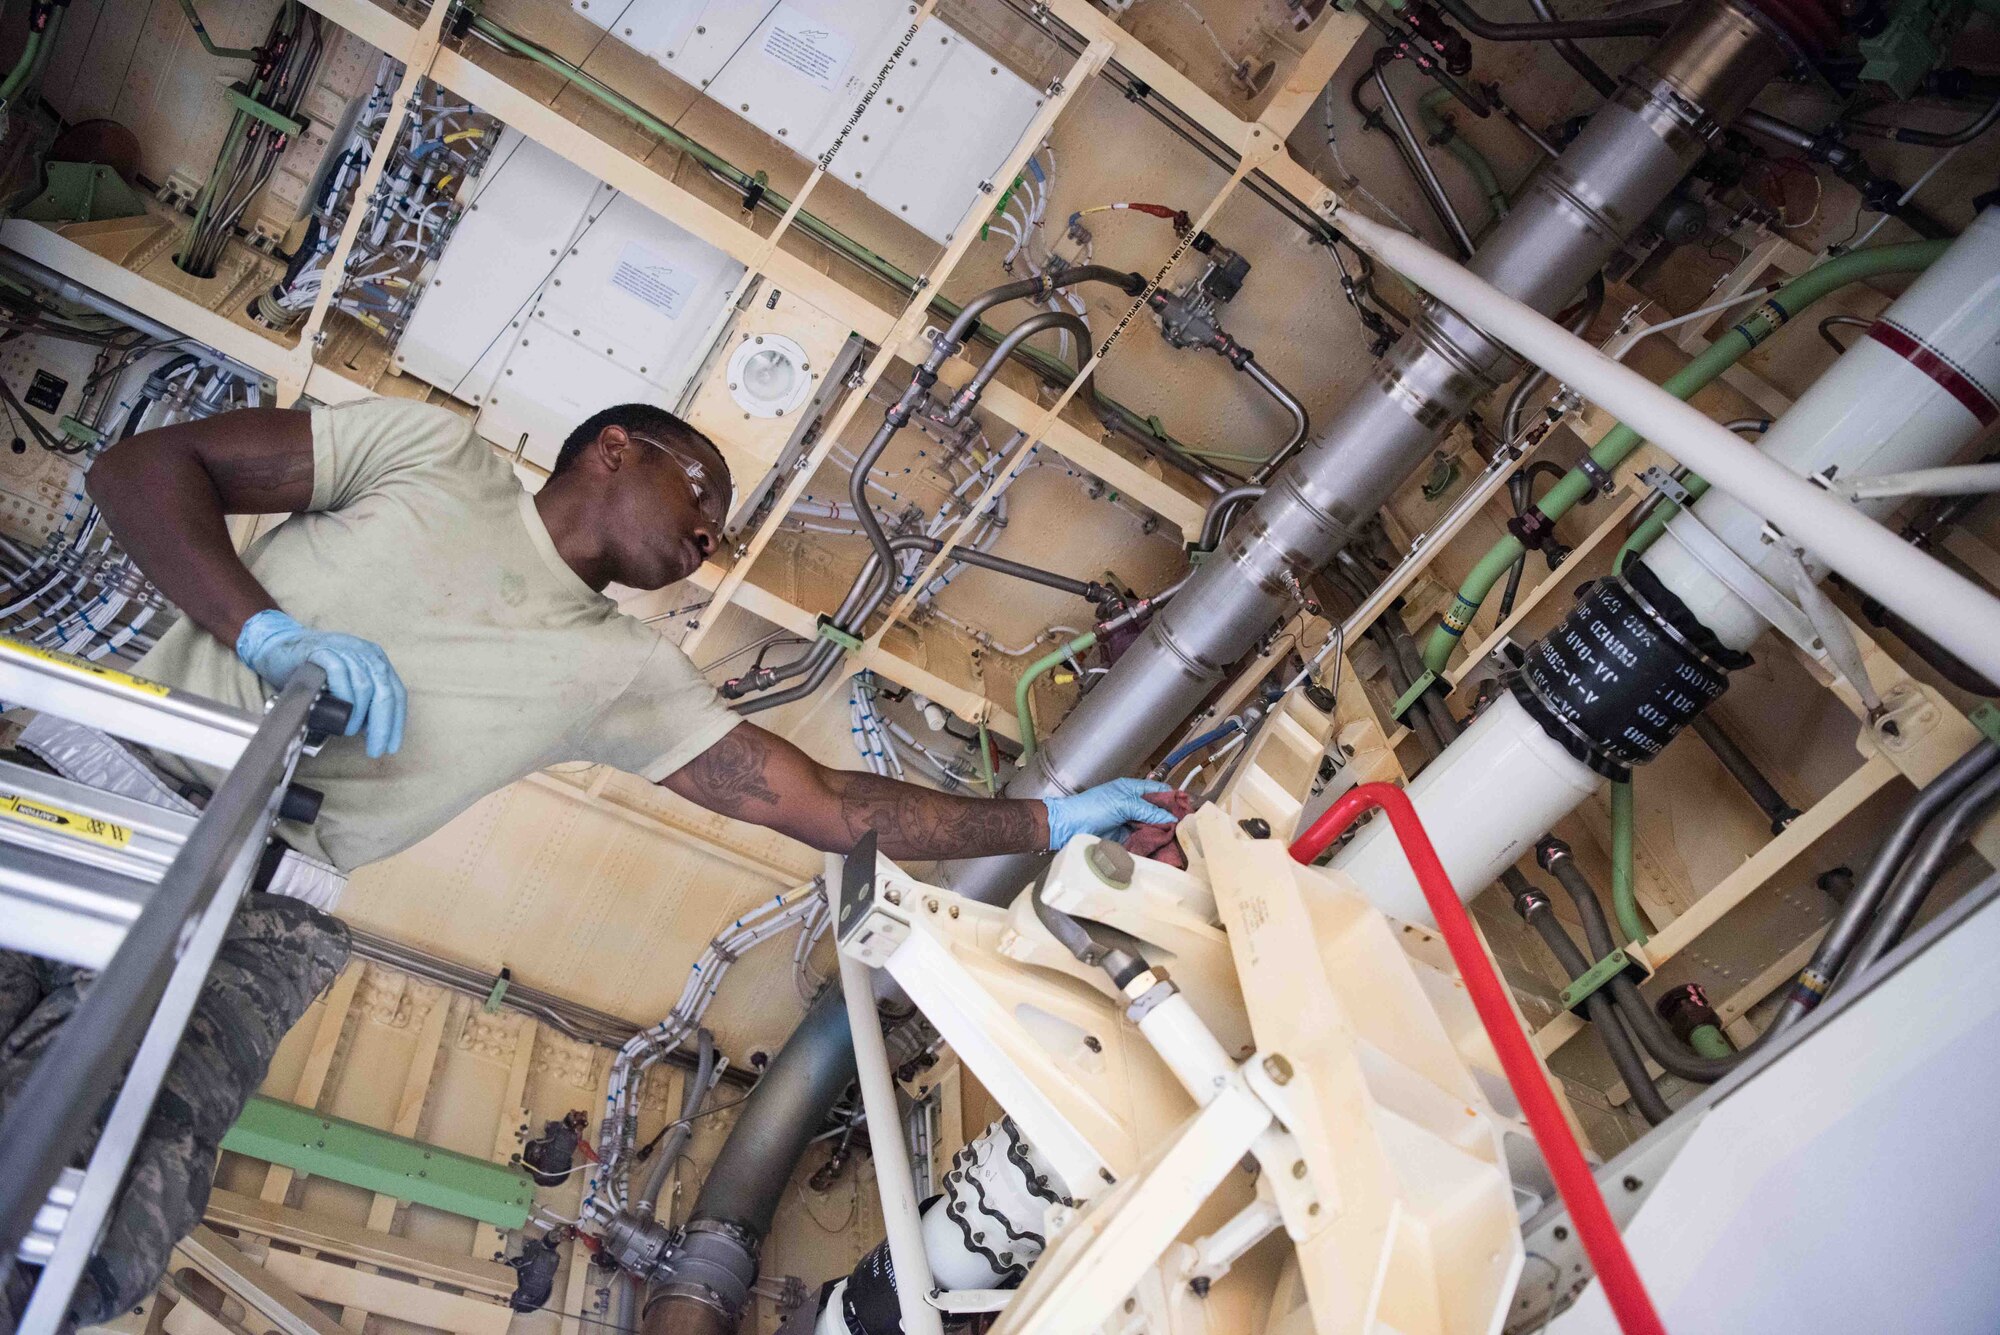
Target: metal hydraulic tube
{"x": 1633, "y": 152}
{"x": 1913, "y": 393}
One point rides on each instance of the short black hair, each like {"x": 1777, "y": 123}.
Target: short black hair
{"x": 648, "y": 420}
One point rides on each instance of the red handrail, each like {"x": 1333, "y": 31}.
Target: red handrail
{"x": 1630, "y": 1302}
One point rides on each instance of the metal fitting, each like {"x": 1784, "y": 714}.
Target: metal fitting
{"x": 640, "y": 1245}
{"x": 1111, "y": 862}
{"x": 1149, "y": 999}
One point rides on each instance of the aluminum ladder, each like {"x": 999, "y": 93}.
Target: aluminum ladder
{"x": 140, "y": 893}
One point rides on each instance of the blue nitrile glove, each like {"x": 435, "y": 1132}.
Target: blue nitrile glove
{"x": 1101, "y": 810}
{"x": 272, "y": 645}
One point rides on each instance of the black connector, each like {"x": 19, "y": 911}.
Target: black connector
{"x": 535, "y": 1273}
{"x": 551, "y": 1157}
{"x": 1686, "y": 1009}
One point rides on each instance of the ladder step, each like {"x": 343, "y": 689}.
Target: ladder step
{"x": 99, "y": 829}
{"x": 123, "y": 705}
{"x": 64, "y": 910}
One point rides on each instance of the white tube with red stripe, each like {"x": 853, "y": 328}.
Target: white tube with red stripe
{"x": 1910, "y": 400}
{"x": 1913, "y": 392}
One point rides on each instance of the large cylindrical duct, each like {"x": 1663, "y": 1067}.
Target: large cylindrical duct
{"x": 714, "y": 1262}
{"x": 1627, "y": 159}
{"x": 1920, "y": 386}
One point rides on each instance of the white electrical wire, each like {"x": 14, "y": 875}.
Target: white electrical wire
{"x": 1353, "y": 181}
{"x": 1909, "y": 194}
{"x": 618, "y": 1132}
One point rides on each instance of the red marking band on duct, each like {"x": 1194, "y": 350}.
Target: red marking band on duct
{"x": 1934, "y": 364}
{"x": 1630, "y": 1303}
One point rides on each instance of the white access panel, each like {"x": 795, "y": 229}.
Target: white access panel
{"x": 799, "y": 69}
{"x": 530, "y": 204}
{"x": 558, "y": 297}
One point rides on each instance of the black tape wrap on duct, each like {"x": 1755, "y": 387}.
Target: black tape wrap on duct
{"x": 1623, "y": 672}
{"x": 870, "y": 1303}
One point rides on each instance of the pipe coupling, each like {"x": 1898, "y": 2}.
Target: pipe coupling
{"x": 639, "y": 1243}
{"x": 1720, "y": 56}
{"x": 713, "y": 1264}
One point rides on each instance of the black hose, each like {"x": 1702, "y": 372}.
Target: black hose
{"x": 1592, "y": 72}
{"x": 1921, "y": 875}
{"x": 1554, "y": 857}
{"x": 1744, "y": 770}
{"x": 1902, "y": 134}
{"x": 1941, "y": 660}
{"x": 1417, "y": 717}
{"x": 1859, "y": 907}
{"x": 1660, "y": 1042}
{"x": 1644, "y": 25}
{"x": 1533, "y": 906}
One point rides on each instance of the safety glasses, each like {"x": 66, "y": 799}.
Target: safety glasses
{"x": 710, "y": 493}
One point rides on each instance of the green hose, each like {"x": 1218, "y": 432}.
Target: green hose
{"x": 1623, "y": 900}
{"x": 18, "y": 77}
{"x": 1442, "y": 131}
{"x": 986, "y": 760}
{"x": 1782, "y": 306}
{"x": 1022, "y": 709}
{"x": 1708, "y": 1041}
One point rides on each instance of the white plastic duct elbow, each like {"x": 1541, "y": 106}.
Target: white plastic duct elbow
{"x": 1953, "y": 610}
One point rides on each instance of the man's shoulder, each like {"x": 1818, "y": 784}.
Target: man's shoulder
{"x": 365, "y": 444}
{"x": 413, "y": 427}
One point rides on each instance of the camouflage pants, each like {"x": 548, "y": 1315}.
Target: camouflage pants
{"x": 279, "y": 954}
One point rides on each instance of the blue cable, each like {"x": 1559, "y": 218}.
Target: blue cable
{"x": 1209, "y": 738}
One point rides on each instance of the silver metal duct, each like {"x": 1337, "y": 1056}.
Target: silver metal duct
{"x": 1627, "y": 159}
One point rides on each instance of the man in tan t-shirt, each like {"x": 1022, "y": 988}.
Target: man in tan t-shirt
{"x": 465, "y": 622}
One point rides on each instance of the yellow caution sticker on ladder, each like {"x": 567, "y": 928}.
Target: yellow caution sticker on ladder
{"x": 80, "y": 665}
{"x": 74, "y": 824}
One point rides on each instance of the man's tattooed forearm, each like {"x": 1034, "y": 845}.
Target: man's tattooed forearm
{"x": 731, "y": 775}
{"x": 914, "y": 822}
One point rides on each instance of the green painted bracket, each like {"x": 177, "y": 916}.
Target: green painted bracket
{"x": 1986, "y": 718}
{"x": 499, "y": 992}
{"x": 81, "y": 432}
{"x": 829, "y": 631}
{"x": 1414, "y": 694}
{"x": 331, "y": 1147}
{"x": 82, "y": 192}
{"x": 250, "y": 106}
{"x": 999, "y": 208}
{"x": 1596, "y": 976}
